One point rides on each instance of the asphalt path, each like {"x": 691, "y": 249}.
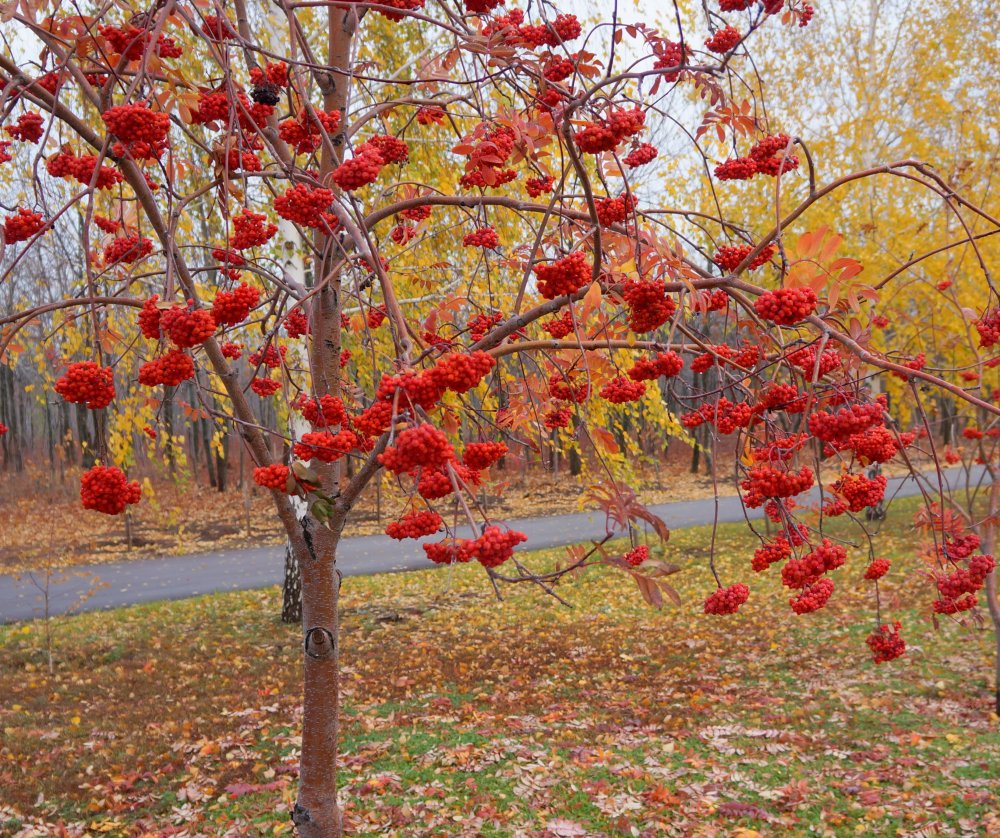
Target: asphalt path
{"x": 118, "y": 584}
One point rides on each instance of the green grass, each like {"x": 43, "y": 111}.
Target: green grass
{"x": 475, "y": 717}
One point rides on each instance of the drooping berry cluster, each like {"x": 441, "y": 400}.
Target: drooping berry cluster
{"x": 187, "y": 326}
{"x": 127, "y": 250}
{"x": 561, "y": 326}
{"x": 21, "y": 227}
{"x": 649, "y": 307}
{"x": 29, "y": 128}
{"x": 87, "y": 382}
{"x": 767, "y": 157}
{"x": 571, "y": 386}
{"x": 170, "y": 369}
{"x": 636, "y": 556}
{"x": 232, "y": 307}
{"x": 563, "y": 276}
{"x": 621, "y": 389}
{"x": 274, "y": 476}
{"x": 786, "y": 306}
{"x": 106, "y": 489}
{"x": 860, "y": 492}
{"x": 885, "y": 643}
{"x": 135, "y": 123}
{"x": 641, "y": 155}
{"x": 765, "y": 482}
{"x": 83, "y": 170}
{"x": 482, "y": 237}
{"x": 414, "y": 524}
{"x": 251, "y": 229}
{"x": 877, "y": 569}
{"x": 606, "y": 134}
{"x": 988, "y": 327}
{"x": 360, "y": 170}
{"x": 727, "y": 600}
{"x": 614, "y": 210}
{"x": 305, "y": 132}
{"x": 304, "y": 205}
{"x": 812, "y": 598}
{"x": 539, "y": 185}
{"x": 958, "y": 589}
{"x": 416, "y": 447}
{"x": 481, "y": 455}
{"x": 666, "y": 364}
{"x": 729, "y": 257}
{"x": 325, "y": 446}
{"x": 265, "y": 387}
{"x": 724, "y": 39}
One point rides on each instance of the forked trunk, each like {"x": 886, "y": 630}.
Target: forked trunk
{"x": 317, "y": 812}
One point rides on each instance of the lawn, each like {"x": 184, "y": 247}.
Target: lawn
{"x": 468, "y": 716}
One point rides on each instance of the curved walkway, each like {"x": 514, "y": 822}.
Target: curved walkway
{"x": 177, "y": 577}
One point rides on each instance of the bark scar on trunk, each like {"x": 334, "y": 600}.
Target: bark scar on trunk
{"x": 319, "y": 642}
{"x": 300, "y": 815}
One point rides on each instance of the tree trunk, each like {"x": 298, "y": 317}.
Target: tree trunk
{"x": 317, "y": 811}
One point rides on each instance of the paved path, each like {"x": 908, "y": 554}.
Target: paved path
{"x": 177, "y": 577}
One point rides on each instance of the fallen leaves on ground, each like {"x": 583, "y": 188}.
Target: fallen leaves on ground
{"x": 467, "y": 716}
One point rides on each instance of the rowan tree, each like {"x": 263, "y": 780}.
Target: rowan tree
{"x": 562, "y": 293}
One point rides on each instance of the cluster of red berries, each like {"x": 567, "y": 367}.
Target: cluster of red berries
{"x": 806, "y": 570}
{"x": 106, "y": 489}
{"x": 304, "y": 204}
{"x": 988, "y": 327}
{"x": 570, "y": 386}
{"x": 391, "y": 149}
{"x": 641, "y": 155}
{"x": 666, "y": 364}
{"x": 649, "y": 307}
{"x": 813, "y": 597}
{"x": 563, "y": 276}
{"x": 460, "y": 372}
{"x": 495, "y": 546}
{"x": 422, "y": 446}
{"x": 558, "y": 418}
{"x": 559, "y": 327}
{"x": 606, "y": 134}
{"x": 480, "y": 324}
{"x": 296, "y": 323}
{"x": 127, "y": 250}
{"x": 360, "y": 170}
{"x": 539, "y": 185}
{"x": 414, "y": 524}
{"x": 885, "y": 643}
{"x": 251, "y": 229}
{"x": 764, "y": 482}
{"x": 170, "y": 369}
{"x": 614, "y": 210}
{"x": 403, "y": 234}
{"x": 329, "y": 410}
{"x": 636, "y": 556}
{"x": 187, "y": 326}
{"x": 767, "y": 157}
{"x": 875, "y": 445}
{"x": 270, "y": 356}
{"x": 482, "y": 237}
{"x": 877, "y": 569}
{"x": 786, "y": 306}
{"x": 376, "y": 316}
{"x": 83, "y": 170}
{"x": 264, "y": 387}
{"x": 729, "y": 257}
{"x": 724, "y": 414}
{"x": 846, "y": 422}
{"x": 136, "y": 123}
{"x": 274, "y": 476}
{"x": 232, "y": 307}
{"x": 727, "y": 600}
{"x": 232, "y": 351}
{"x": 958, "y": 589}
{"x": 860, "y": 492}
{"x": 481, "y": 455}
{"x": 806, "y": 360}
{"x": 325, "y": 446}
{"x": 130, "y": 42}
{"x": 771, "y": 553}
{"x": 620, "y": 390}
{"x": 87, "y": 382}
{"x": 724, "y": 40}
{"x": 784, "y": 397}
{"x": 563, "y": 29}
{"x": 305, "y": 132}
{"x": 21, "y": 227}
{"x": 29, "y": 128}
